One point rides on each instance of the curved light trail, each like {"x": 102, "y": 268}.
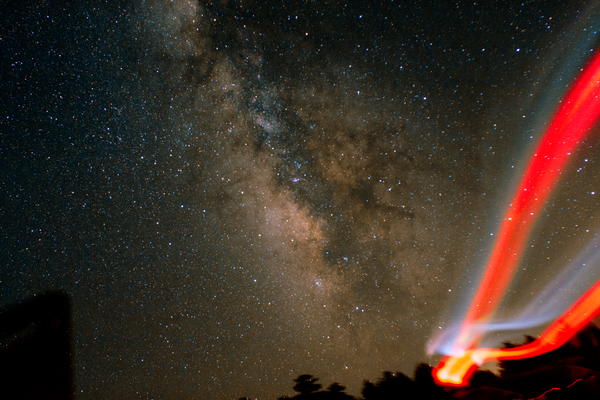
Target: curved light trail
{"x": 572, "y": 122}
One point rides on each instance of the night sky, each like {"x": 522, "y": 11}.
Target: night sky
{"x": 235, "y": 193}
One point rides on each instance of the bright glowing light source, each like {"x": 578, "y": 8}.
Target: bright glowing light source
{"x": 456, "y": 370}
{"x": 579, "y": 111}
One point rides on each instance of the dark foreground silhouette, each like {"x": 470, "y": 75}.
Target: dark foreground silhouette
{"x": 35, "y": 363}
{"x": 569, "y": 372}
{"x": 35, "y": 349}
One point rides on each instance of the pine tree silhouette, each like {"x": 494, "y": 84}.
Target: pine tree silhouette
{"x": 336, "y": 387}
{"x": 306, "y": 384}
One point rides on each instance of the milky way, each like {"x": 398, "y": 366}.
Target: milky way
{"x": 236, "y": 193}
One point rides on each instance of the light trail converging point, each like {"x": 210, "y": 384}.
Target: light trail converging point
{"x": 572, "y": 122}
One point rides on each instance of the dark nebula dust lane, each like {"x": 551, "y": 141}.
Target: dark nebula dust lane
{"x": 234, "y": 193}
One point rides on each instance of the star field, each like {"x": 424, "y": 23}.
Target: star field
{"x": 234, "y": 193}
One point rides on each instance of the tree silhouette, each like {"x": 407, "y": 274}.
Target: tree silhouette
{"x": 391, "y": 386}
{"x": 399, "y": 386}
{"x": 335, "y": 391}
{"x": 369, "y": 390}
{"x": 483, "y": 378}
{"x": 514, "y": 367}
{"x": 306, "y": 384}
{"x": 336, "y": 387}
{"x": 571, "y": 371}
{"x": 425, "y": 386}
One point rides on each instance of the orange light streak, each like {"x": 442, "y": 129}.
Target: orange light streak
{"x": 578, "y": 112}
{"x": 457, "y": 370}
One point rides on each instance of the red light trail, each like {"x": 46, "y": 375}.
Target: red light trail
{"x": 576, "y": 115}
